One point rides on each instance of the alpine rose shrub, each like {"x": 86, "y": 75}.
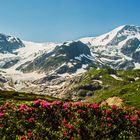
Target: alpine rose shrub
{"x": 68, "y": 121}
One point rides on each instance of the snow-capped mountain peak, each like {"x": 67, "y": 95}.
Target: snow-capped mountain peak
{"x": 119, "y": 48}
{"x": 28, "y": 63}
{"x": 9, "y": 43}
{"x": 113, "y": 37}
{"x": 114, "y": 49}
{"x": 102, "y": 39}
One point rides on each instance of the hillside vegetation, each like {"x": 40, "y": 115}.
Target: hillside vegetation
{"x": 21, "y": 97}
{"x": 42, "y": 120}
{"x": 106, "y": 83}
{"x": 27, "y": 116}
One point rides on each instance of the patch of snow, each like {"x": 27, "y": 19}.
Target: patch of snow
{"x": 57, "y": 86}
{"x": 116, "y": 77}
{"x": 83, "y": 55}
{"x": 84, "y": 66}
{"x": 127, "y": 58}
{"x": 137, "y": 65}
{"x": 65, "y": 75}
{"x": 20, "y": 76}
{"x": 71, "y": 60}
{"x": 69, "y": 64}
{"x": 62, "y": 55}
{"x": 106, "y": 60}
{"x": 68, "y": 43}
{"x": 78, "y": 58}
{"x": 138, "y": 49}
{"x": 80, "y": 71}
{"x": 31, "y": 51}
{"x": 53, "y": 55}
{"x": 137, "y": 78}
{"x": 6, "y": 55}
{"x": 60, "y": 66}
{"x": 11, "y": 39}
{"x": 99, "y": 81}
{"x": 102, "y": 39}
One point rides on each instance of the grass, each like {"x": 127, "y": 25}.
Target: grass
{"x": 19, "y": 97}
{"x": 128, "y": 89}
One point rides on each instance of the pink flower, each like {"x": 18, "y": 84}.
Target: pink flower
{"x": 65, "y": 134}
{"x": 134, "y": 122}
{"x": 77, "y": 104}
{"x": 45, "y": 104}
{"x": 69, "y": 126}
{"x": 109, "y": 118}
{"x": 23, "y": 137}
{"x": 64, "y": 120}
{"x": 30, "y": 109}
{"x": 95, "y": 106}
{"x": 133, "y": 118}
{"x": 126, "y": 117}
{"x": 80, "y": 111}
{"x": 65, "y": 105}
{"x": 56, "y": 102}
{"x": 23, "y": 107}
{"x": 65, "y": 108}
{"x": 114, "y": 107}
{"x": 30, "y": 135}
{"x": 107, "y": 111}
{"x": 2, "y": 114}
{"x": 31, "y": 120}
{"x": 37, "y": 102}
{"x": 109, "y": 124}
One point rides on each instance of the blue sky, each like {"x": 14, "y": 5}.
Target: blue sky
{"x": 61, "y": 20}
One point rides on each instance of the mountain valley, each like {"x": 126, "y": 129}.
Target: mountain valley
{"x": 61, "y": 69}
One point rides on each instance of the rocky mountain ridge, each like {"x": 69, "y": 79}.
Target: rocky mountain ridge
{"x": 50, "y": 68}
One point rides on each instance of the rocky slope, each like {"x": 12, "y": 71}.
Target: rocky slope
{"x": 119, "y": 49}
{"x": 65, "y": 58}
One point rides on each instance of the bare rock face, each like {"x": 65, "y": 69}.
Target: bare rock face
{"x": 9, "y": 43}
{"x": 91, "y": 87}
{"x": 130, "y": 47}
{"x": 113, "y": 101}
{"x": 65, "y": 58}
